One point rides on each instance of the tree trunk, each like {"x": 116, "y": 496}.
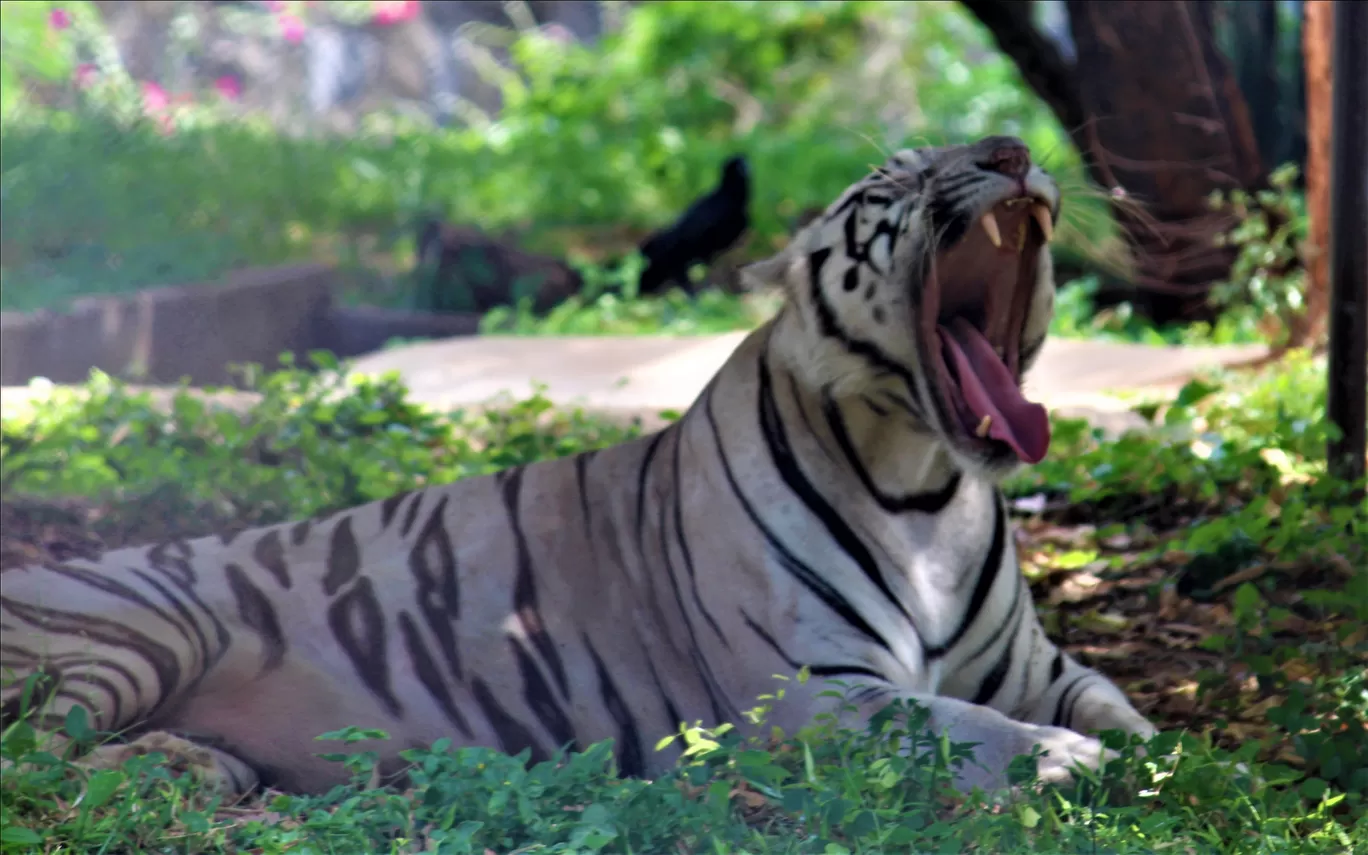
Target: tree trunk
{"x": 1317, "y": 41}
{"x": 1254, "y": 25}
{"x": 1159, "y": 119}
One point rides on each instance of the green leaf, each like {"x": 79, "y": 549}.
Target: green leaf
{"x": 1195, "y": 391}
{"x": 101, "y": 787}
{"x": 1313, "y": 789}
{"x": 19, "y": 834}
{"x": 1247, "y": 598}
{"x": 77, "y": 724}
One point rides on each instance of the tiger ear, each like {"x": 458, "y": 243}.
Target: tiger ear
{"x": 778, "y": 270}
{"x": 768, "y": 273}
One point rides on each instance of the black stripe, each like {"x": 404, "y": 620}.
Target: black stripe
{"x": 786, "y": 462}
{"x": 425, "y": 667}
{"x": 1012, "y": 612}
{"x": 631, "y": 762}
{"x": 358, "y": 624}
{"x": 855, "y": 196}
{"x": 411, "y": 515}
{"x": 582, "y": 487}
{"x": 107, "y": 686}
{"x": 269, "y": 552}
{"x": 988, "y": 573}
{"x": 257, "y": 613}
{"x": 829, "y": 327}
{"x": 927, "y": 503}
{"x": 814, "y": 670}
{"x": 178, "y": 567}
{"x": 107, "y": 584}
{"x": 861, "y": 252}
{"x": 299, "y": 532}
{"x": 992, "y": 681}
{"x": 525, "y": 587}
{"x": 809, "y": 578}
{"x": 343, "y": 560}
{"x": 1062, "y": 719}
{"x": 188, "y": 590}
{"x": 71, "y": 662}
{"x": 513, "y": 737}
{"x": 540, "y": 699}
{"x": 47, "y": 684}
{"x": 1056, "y": 667}
{"x": 159, "y": 657}
{"x": 209, "y": 656}
{"x": 677, "y": 501}
{"x": 652, "y": 445}
{"x": 432, "y": 561}
{"x": 800, "y": 404}
{"x": 695, "y": 652}
{"x": 390, "y": 506}
{"x": 206, "y": 657}
{"x": 878, "y": 410}
{"x": 671, "y": 710}
{"x": 906, "y": 406}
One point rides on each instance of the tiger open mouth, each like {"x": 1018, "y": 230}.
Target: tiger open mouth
{"x": 975, "y": 306}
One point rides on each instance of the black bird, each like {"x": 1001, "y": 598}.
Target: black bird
{"x": 710, "y": 227}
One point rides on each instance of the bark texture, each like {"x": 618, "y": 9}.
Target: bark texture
{"x": 1157, "y": 113}
{"x": 1318, "y": 47}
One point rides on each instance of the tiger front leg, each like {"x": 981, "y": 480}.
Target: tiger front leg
{"x": 998, "y": 740}
{"x": 1083, "y": 700}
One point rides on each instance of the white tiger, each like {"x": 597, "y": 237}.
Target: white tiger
{"x": 829, "y": 501}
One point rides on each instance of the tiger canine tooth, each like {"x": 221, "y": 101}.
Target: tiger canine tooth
{"x": 1042, "y": 218}
{"x": 982, "y": 430}
{"x": 990, "y": 228}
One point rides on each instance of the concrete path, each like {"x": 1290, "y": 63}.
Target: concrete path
{"x": 640, "y": 376}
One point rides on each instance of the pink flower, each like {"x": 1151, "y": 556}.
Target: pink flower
{"x": 58, "y": 19}
{"x": 229, "y": 87}
{"x": 386, "y": 12}
{"x": 557, "y": 33}
{"x": 155, "y": 99}
{"x": 291, "y": 28}
{"x": 85, "y": 75}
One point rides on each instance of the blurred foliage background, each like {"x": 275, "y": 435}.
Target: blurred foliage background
{"x": 115, "y": 178}
{"x": 620, "y": 134}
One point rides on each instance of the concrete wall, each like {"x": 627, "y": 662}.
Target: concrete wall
{"x": 197, "y": 331}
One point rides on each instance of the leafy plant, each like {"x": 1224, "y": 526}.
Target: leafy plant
{"x": 1267, "y": 284}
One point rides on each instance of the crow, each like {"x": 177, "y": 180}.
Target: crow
{"x": 710, "y": 226}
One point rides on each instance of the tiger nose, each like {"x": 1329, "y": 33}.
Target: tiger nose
{"x": 1011, "y": 158}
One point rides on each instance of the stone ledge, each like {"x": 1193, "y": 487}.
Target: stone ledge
{"x": 198, "y": 331}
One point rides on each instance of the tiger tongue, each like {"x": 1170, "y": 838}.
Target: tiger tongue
{"x": 989, "y": 391}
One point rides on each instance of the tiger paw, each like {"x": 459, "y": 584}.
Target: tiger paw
{"x": 1065, "y": 751}
{"x": 217, "y": 771}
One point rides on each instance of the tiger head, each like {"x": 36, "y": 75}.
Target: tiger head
{"x": 929, "y": 282}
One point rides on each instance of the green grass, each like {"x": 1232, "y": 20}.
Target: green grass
{"x": 1222, "y": 516}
